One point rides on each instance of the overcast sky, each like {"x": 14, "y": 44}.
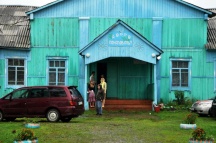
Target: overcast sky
{"x": 200, "y": 3}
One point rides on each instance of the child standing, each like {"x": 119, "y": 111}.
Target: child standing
{"x": 99, "y": 99}
{"x": 91, "y": 94}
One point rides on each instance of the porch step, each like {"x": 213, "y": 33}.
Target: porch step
{"x": 145, "y": 105}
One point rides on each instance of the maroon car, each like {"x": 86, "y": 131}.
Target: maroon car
{"x": 52, "y": 102}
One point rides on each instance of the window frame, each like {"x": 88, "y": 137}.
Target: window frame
{"x": 65, "y": 59}
{"x": 6, "y": 73}
{"x": 189, "y": 74}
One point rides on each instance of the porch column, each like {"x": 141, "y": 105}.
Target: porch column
{"x": 155, "y": 85}
{"x": 83, "y": 41}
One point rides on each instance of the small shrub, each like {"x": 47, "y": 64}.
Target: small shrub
{"x": 200, "y": 135}
{"x": 30, "y": 120}
{"x": 190, "y": 118}
{"x": 179, "y": 95}
{"x": 25, "y": 134}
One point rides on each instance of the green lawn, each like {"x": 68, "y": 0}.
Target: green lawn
{"x": 114, "y": 127}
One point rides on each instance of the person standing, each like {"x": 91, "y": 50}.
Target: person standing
{"x": 92, "y": 78}
{"x": 104, "y": 87}
{"x": 91, "y": 94}
{"x": 99, "y": 98}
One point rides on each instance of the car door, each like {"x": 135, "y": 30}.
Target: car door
{"x": 37, "y": 101}
{"x": 16, "y": 105}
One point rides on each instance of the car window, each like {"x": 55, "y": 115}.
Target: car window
{"x": 57, "y": 92}
{"x": 74, "y": 92}
{"x": 38, "y": 93}
{"x": 19, "y": 94}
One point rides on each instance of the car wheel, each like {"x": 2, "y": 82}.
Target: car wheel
{"x": 66, "y": 119}
{"x": 53, "y": 115}
{"x": 1, "y": 116}
{"x": 210, "y": 113}
{"x": 202, "y": 115}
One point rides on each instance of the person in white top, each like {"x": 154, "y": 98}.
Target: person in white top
{"x": 92, "y": 78}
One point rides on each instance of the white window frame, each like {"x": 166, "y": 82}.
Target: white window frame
{"x": 6, "y": 73}
{"x": 65, "y": 59}
{"x": 180, "y": 88}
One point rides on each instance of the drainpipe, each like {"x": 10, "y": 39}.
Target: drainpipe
{"x": 83, "y": 41}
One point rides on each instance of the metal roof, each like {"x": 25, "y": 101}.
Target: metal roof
{"x": 211, "y": 34}
{"x": 14, "y": 27}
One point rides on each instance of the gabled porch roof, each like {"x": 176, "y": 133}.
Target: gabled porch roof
{"x": 120, "y": 40}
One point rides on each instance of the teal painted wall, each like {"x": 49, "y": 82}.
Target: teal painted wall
{"x": 185, "y": 38}
{"x": 184, "y": 33}
{"x": 54, "y": 32}
{"x": 53, "y": 37}
{"x": 37, "y": 66}
{"x": 2, "y": 78}
{"x": 133, "y": 79}
{"x": 99, "y": 25}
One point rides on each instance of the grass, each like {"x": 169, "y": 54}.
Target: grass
{"x": 114, "y": 127}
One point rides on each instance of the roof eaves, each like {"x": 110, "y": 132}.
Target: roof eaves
{"x": 43, "y": 7}
{"x": 195, "y": 7}
{"x": 15, "y": 48}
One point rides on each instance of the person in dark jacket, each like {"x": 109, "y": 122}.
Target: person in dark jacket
{"x": 99, "y": 98}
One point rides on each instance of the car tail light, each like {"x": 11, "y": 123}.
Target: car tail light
{"x": 72, "y": 103}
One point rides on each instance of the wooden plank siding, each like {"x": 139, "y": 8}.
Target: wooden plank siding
{"x": 184, "y": 33}
{"x": 181, "y": 39}
{"x": 57, "y": 31}
{"x": 142, "y": 25}
{"x": 37, "y": 67}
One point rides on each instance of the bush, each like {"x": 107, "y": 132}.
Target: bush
{"x": 179, "y": 95}
{"x": 190, "y": 118}
{"x": 200, "y": 135}
{"x": 25, "y": 134}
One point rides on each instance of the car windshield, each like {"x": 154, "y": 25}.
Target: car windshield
{"x": 6, "y": 96}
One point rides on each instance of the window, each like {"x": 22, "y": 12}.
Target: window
{"x": 180, "y": 74}
{"x": 57, "y": 92}
{"x": 57, "y": 72}
{"x": 19, "y": 94}
{"x": 38, "y": 93}
{"x": 16, "y": 72}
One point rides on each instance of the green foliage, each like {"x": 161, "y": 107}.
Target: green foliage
{"x": 200, "y": 135}
{"x": 190, "y": 118}
{"x": 31, "y": 120}
{"x": 25, "y": 134}
{"x": 180, "y": 103}
{"x": 179, "y": 95}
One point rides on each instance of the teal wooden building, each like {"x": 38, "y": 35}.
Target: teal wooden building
{"x": 146, "y": 49}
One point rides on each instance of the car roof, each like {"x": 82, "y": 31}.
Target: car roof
{"x": 49, "y": 86}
